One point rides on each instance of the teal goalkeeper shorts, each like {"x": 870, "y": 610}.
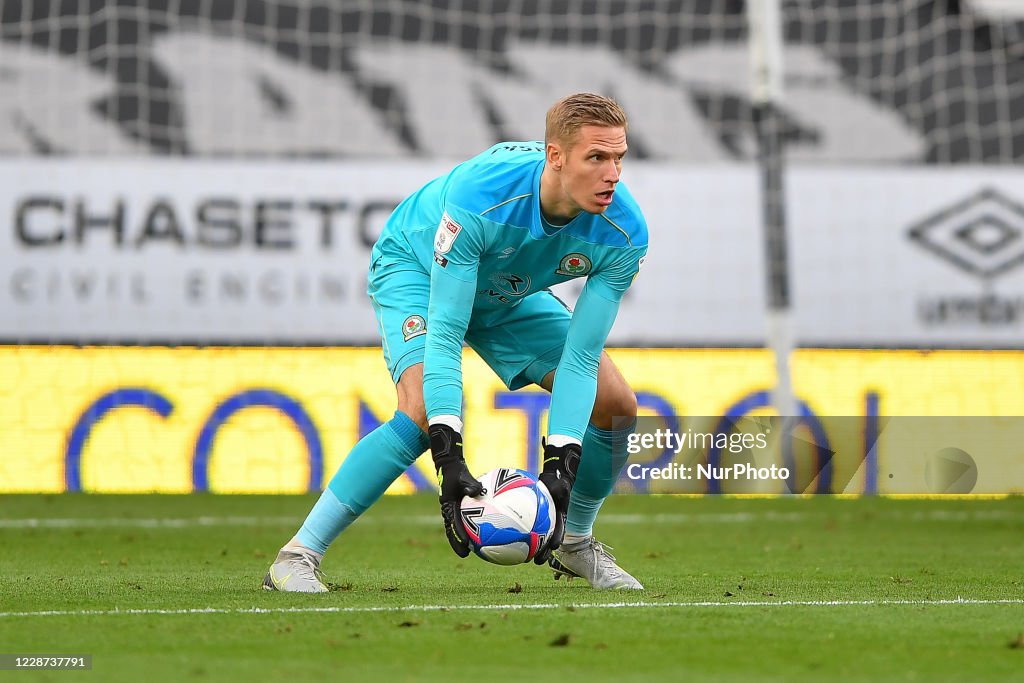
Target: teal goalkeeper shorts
{"x": 521, "y": 344}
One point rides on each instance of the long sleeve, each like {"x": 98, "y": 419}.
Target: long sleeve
{"x": 458, "y": 243}
{"x": 575, "y": 387}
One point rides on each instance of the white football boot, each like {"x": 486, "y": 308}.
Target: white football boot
{"x": 295, "y": 571}
{"x": 590, "y": 560}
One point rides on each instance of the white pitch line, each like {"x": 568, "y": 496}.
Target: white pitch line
{"x": 513, "y": 607}
{"x": 143, "y": 523}
{"x": 419, "y": 520}
{"x": 433, "y": 520}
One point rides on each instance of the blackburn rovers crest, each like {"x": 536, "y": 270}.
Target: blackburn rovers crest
{"x": 574, "y": 265}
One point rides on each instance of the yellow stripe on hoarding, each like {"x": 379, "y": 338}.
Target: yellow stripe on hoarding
{"x": 322, "y": 399}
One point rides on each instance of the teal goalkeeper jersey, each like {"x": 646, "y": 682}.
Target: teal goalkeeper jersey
{"x": 480, "y": 234}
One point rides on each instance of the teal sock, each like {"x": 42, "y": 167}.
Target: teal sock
{"x": 378, "y": 459}
{"x": 604, "y": 456}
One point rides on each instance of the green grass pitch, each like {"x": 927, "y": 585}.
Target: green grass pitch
{"x": 167, "y": 588}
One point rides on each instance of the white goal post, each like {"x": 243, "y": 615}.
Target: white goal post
{"x": 766, "y": 61}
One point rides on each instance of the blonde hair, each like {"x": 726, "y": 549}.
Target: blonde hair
{"x": 569, "y": 114}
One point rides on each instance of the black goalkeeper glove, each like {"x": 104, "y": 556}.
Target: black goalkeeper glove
{"x": 454, "y": 481}
{"x": 558, "y": 475}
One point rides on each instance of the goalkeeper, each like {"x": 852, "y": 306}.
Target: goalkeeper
{"x": 470, "y": 257}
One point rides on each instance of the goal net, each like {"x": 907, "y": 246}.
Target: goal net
{"x": 923, "y": 81}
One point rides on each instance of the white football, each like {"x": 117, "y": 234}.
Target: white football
{"x": 510, "y": 522}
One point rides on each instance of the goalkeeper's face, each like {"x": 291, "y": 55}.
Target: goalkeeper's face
{"x": 590, "y": 168}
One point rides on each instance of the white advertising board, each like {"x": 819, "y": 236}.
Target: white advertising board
{"x": 206, "y": 252}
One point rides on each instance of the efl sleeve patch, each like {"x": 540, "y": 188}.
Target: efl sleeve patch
{"x": 447, "y": 232}
{"x": 639, "y": 267}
